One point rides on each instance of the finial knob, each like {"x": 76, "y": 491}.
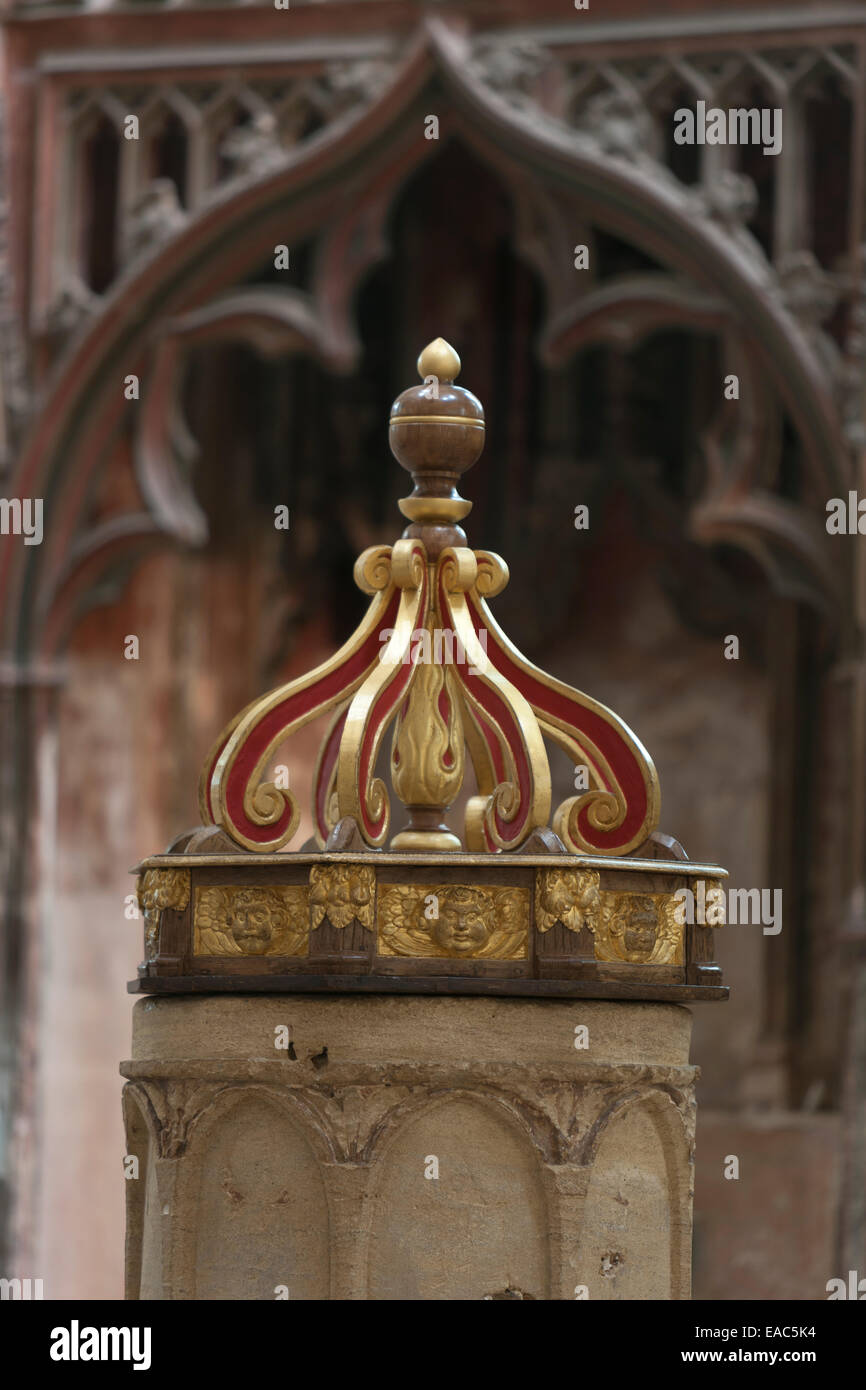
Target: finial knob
{"x": 436, "y": 433}
{"x": 440, "y": 360}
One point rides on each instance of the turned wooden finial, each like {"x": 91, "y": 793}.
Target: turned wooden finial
{"x": 436, "y": 433}
{"x": 440, "y": 360}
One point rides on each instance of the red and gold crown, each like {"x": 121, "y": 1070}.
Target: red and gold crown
{"x": 430, "y": 664}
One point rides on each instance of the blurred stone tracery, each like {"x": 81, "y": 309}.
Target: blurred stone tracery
{"x": 262, "y": 387}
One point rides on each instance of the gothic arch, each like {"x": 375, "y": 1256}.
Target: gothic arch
{"x": 283, "y": 1181}
{"x": 528, "y": 1122}
{"x": 291, "y": 1107}
{"x": 673, "y": 1124}
{"x": 482, "y": 1145}
{"x": 670, "y": 1129}
{"x": 316, "y": 187}
{"x": 142, "y": 1143}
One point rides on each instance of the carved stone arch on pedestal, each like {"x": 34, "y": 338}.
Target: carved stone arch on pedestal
{"x": 528, "y": 1118}
{"x": 143, "y": 1264}
{"x": 449, "y": 1161}
{"x": 251, "y": 1179}
{"x": 618, "y": 1249}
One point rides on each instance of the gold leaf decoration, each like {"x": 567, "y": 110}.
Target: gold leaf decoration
{"x": 342, "y": 893}
{"x": 569, "y": 896}
{"x": 715, "y": 904}
{"x": 158, "y": 889}
{"x": 639, "y": 928}
{"x": 480, "y": 923}
{"x": 233, "y": 921}
{"x": 427, "y": 758}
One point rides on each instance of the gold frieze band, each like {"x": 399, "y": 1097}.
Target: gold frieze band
{"x": 436, "y": 420}
{"x": 516, "y": 931}
{"x": 442, "y": 921}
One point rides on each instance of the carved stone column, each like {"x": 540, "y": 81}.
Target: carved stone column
{"x": 445, "y": 1148}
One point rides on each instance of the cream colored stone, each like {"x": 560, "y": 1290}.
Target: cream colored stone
{"x": 415, "y": 1148}
{"x": 410, "y": 1028}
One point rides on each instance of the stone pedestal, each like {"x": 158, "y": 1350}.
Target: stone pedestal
{"x": 387, "y": 1147}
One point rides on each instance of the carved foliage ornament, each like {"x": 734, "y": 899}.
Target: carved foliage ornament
{"x": 342, "y": 893}
{"x": 569, "y": 896}
{"x": 159, "y": 889}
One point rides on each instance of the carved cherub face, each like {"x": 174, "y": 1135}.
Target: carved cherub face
{"x": 461, "y": 928}
{"x": 251, "y": 924}
{"x": 639, "y": 929}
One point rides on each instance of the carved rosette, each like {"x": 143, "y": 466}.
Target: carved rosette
{"x": 159, "y": 889}
{"x": 342, "y": 893}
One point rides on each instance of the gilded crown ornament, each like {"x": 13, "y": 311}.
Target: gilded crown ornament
{"x": 430, "y": 664}
{"x": 586, "y": 899}
{"x": 422, "y": 929}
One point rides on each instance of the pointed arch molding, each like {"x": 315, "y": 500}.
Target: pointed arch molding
{"x": 364, "y": 154}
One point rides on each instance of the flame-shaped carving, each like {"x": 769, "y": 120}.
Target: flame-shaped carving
{"x": 427, "y": 757}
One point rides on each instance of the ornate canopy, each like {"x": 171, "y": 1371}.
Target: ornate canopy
{"x": 596, "y": 902}
{"x": 430, "y": 660}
